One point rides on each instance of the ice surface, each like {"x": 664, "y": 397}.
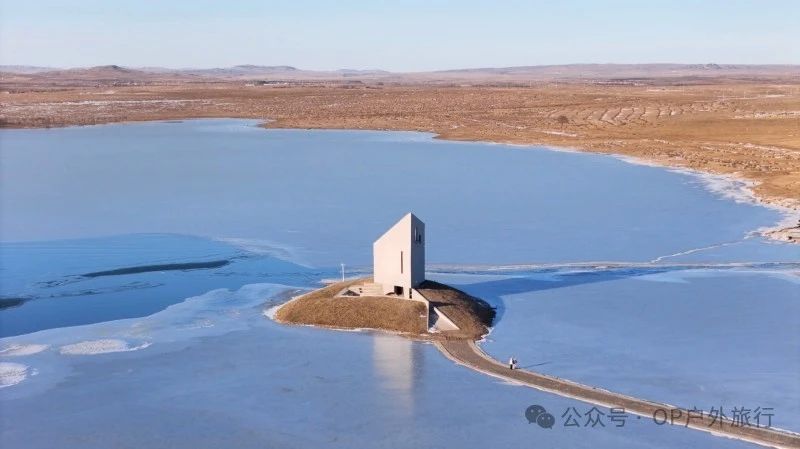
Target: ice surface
{"x": 313, "y": 194}
{"x": 47, "y": 275}
{"x": 693, "y": 338}
{"x": 213, "y": 371}
{"x": 249, "y": 382}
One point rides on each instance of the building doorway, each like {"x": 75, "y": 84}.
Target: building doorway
{"x": 398, "y": 290}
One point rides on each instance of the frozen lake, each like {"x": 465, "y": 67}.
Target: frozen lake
{"x": 101, "y": 342}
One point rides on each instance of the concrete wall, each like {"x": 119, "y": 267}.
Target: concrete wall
{"x": 417, "y": 251}
{"x": 416, "y": 295}
{"x": 399, "y": 255}
{"x": 441, "y": 321}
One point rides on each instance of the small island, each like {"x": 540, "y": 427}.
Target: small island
{"x": 397, "y": 299}
{"x": 400, "y": 300}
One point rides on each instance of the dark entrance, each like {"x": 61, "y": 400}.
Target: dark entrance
{"x": 398, "y": 290}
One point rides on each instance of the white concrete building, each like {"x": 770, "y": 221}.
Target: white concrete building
{"x": 399, "y": 257}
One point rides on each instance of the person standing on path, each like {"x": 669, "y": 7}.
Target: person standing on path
{"x": 511, "y": 363}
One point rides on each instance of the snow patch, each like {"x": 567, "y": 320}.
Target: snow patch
{"x": 12, "y": 374}
{"x": 270, "y": 313}
{"x": 104, "y": 346}
{"x": 558, "y": 133}
{"x": 16, "y": 350}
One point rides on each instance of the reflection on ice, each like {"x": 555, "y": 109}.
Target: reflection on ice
{"x": 397, "y": 363}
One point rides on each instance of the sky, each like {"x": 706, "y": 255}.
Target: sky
{"x": 401, "y": 35}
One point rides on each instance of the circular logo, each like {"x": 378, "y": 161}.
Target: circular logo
{"x": 533, "y": 412}
{"x": 545, "y": 420}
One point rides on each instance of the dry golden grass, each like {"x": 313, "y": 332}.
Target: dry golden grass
{"x": 473, "y": 316}
{"x": 322, "y": 308}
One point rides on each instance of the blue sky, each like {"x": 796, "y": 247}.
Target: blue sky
{"x": 412, "y": 35}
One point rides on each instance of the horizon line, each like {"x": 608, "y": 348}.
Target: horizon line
{"x": 377, "y": 69}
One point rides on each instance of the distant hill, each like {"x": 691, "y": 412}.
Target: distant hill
{"x": 357, "y": 72}
{"x": 104, "y": 75}
{"x": 627, "y": 70}
{"x": 106, "y": 71}
{"x": 114, "y": 74}
{"x": 240, "y": 71}
{"x": 24, "y": 69}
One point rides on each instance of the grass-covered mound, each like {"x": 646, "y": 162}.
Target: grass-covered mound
{"x": 323, "y": 308}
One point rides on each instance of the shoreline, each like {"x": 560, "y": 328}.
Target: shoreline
{"x": 731, "y": 186}
{"x": 741, "y": 189}
{"x": 744, "y": 127}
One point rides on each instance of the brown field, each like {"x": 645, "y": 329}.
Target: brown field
{"x": 744, "y": 126}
